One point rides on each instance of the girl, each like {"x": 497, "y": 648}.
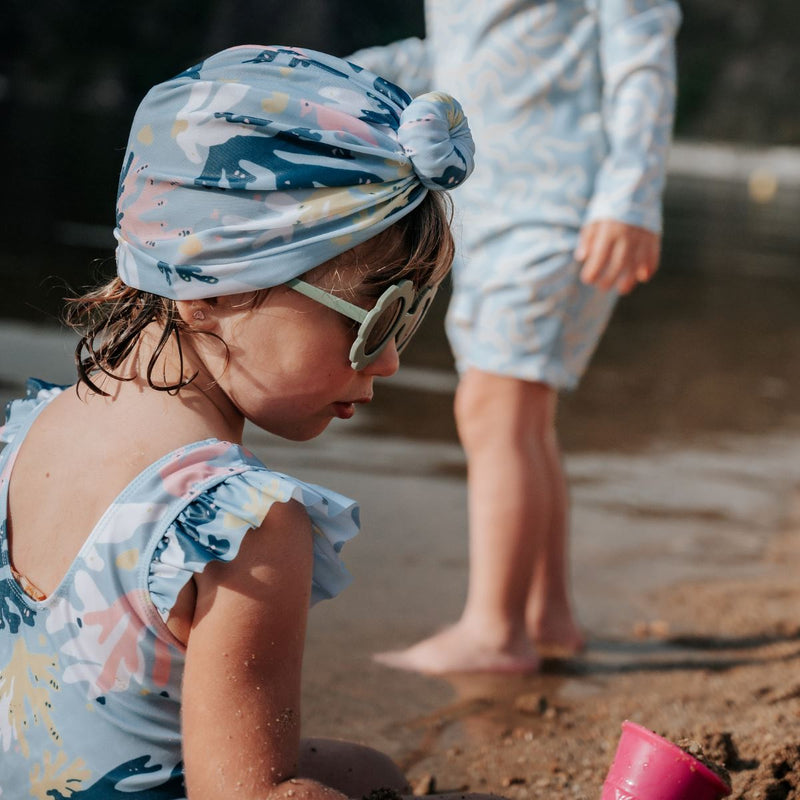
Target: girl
{"x": 277, "y": 246}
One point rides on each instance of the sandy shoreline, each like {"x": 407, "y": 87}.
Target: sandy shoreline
{"x": 685, "y": 563}
{"x": 723, "y": 671}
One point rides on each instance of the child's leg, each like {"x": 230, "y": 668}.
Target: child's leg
{"x": 551, "y": 623}
{"x": 518, "y": 508}
{"x": 353, "y": 769}
{"x": 507, "y": 428}
{"x": 501, "y": 422}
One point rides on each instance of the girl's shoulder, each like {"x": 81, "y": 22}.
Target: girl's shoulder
{"x": 227, "y": 492}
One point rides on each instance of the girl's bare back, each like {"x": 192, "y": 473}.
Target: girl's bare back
{"x": 77, "y": 458}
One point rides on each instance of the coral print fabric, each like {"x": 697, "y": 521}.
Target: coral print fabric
{"x": 90, "y": 677}
{"x": 261, "y": 163}
{"x": 570, "y": 103}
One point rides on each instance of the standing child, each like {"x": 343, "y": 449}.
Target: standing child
{"x": 277, "y": 247}
{"x": 571, "y": 104}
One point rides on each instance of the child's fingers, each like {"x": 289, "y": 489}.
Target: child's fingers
{"x": 649, "y": 253}
{"x": 616, "y": 255}
{"x": 598, "y": 250}
{"x": 640, "y": 265}
{"x": 626, "y": 282}
{"x": 609, "y": 258}
{"x": 619, "y": 267}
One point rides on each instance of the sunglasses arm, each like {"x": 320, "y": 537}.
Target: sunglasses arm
{"x": 350, "y": 310}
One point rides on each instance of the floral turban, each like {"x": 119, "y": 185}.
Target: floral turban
{"x": 261, "y": 163}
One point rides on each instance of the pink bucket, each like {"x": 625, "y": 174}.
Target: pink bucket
{"x": 649, "y": 767}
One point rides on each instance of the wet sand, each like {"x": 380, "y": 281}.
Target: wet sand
{"x": 683, "y": 453}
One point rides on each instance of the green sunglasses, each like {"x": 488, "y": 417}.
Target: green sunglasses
{"x": 397, "y": 315}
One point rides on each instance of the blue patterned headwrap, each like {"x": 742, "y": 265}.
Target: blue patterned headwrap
{"x": 261, "y": 163}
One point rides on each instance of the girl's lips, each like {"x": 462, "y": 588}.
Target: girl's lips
{"x": 345, "y": 409}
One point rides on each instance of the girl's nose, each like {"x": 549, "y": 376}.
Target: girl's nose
{"x": 387, "y": 363}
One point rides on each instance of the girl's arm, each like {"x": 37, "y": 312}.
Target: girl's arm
{"x": 241, "y": 695}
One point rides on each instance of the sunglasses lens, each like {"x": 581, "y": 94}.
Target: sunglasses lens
{"x": 390, "y": 319}
{"x": 413, "y": 320}
{"x": 383, "y": 326}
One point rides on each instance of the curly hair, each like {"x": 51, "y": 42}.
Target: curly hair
{"x": 110, "y": 320}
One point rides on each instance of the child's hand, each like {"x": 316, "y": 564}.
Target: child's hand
{"x": 616, "y": 255}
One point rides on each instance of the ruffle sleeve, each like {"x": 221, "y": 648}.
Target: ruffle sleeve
{"x": 213, "y": 526}
{"x": 20, "y": 412}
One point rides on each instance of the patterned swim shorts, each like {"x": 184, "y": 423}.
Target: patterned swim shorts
{"x": 530, "y": 318}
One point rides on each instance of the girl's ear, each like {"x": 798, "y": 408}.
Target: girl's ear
{"x": 197, "y": 314}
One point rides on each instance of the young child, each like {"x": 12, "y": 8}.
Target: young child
{"x": 277, "y": 246}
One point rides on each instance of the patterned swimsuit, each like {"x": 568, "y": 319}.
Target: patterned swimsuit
{"x": 90, "y": 677}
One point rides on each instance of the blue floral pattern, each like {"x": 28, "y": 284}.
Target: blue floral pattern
{"x": 90, "y": 677}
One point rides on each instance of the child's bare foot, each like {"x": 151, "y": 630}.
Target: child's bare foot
{"x": 458, "y": 649}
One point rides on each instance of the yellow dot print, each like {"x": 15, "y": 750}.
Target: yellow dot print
{"x": 145, "y": 135}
